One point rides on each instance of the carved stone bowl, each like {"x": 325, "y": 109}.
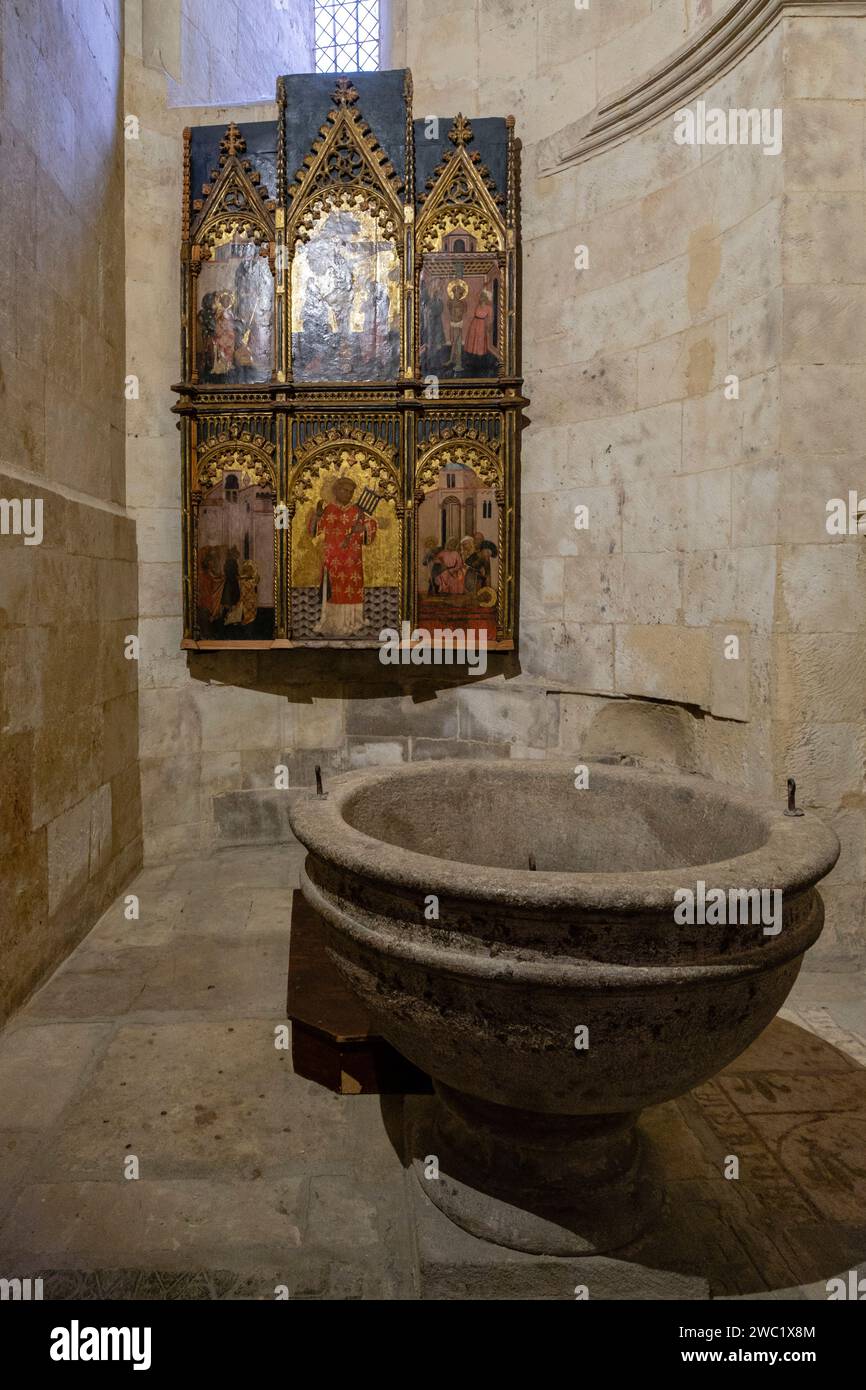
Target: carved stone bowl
{"x": 551, "y": 1004}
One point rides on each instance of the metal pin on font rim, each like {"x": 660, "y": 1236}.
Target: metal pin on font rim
{"x": 792, "y": 808}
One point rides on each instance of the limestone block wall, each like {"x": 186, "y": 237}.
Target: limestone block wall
{"x": 819, "y": 653}
{"x": 70, "y": 815}
{"x": 229, "y": 50}
{"x": 628, "y": 361}
{"x": 706, "y": 506}
{"x": 193, "y": 729}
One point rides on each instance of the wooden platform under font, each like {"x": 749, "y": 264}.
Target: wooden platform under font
{"x": 332, "y": 1039}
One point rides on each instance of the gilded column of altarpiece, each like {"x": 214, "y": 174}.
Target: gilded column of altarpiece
{"x": 351, "y": 397}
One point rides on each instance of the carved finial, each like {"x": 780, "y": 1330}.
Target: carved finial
{"x": 461, "y": 131}
{"x": 232, "y": 143}
{"x": 344, "y": 92}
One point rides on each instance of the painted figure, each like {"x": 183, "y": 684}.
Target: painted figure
{"x": 458, "y": 291}
{"x": 375, "y": 311}
{"x": 224, "y": 335}
{"x": 485, "y": 553}
{"x": 473, "y": 578}
{"x": 346, "y": 294}
{"x": 235, "y": 319}
{"x": 344, "y": 529}
{"x": 451, "y": 576}
{"x": 431, "y": 562}
{"x": 479, "y": 336}
{"x": 210, "y": 581}
{"x": 231, "y": 582}
{"x": 432, "y": 329}
{"x": 246, "y": 608}
{"x": 253, "y": 293}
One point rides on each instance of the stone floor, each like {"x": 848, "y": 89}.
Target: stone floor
{"x": 155, "y": 1042}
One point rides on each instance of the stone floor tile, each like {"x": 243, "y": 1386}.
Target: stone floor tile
{"x": 42, "y": 1065}
{"x": 154, "y": 878}
{"x": 207, "y": 976}
{"x": 827, "y": 987}
{"x": 132, "y": 1223}
{"x": 114, "y": 930}
{"x": 353, "y": 1219}
{"x": 270, "y": 912}
{"x": 786, "y": 1046}
{"x": 18, "y": 1149}
{"x": 97, "y": 982}
{"x": 786, "y": 1092}
{"x": 825, "y": 1155}
{"x": 274, "y": 866}
{"x": 298, "y": 1276}
{"x": 211, "y": 1099}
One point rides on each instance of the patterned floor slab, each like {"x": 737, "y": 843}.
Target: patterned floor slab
{"x": 792, "y": 1113}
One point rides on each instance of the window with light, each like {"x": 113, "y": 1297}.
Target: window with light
{"x": 347, "y": 35}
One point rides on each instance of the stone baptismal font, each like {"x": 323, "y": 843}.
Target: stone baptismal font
{"x": 558, "y": 957}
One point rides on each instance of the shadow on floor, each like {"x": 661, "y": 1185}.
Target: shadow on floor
{"x": 792, "y": 1112}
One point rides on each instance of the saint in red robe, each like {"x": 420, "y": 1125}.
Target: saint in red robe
{"x": 345, "y": 531}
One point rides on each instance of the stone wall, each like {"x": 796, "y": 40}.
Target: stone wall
{"x": 70, "y": 816}
{"x": 819, "y": 650}
{"x": 707, "y": 506}
{"x": 707, "y": 513}
{"x": 193, "y": 731}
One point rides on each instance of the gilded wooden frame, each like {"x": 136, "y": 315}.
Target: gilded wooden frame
{"x": 280, "y": 429}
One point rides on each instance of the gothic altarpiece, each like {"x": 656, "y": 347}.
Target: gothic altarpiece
{"x": 351, "y": 397}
